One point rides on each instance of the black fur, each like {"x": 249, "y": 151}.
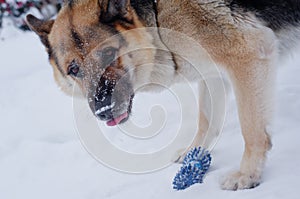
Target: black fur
{"x": 77, "y": 39}
{"x": 277, "y": 14}
{"x": 146, "y": 10}
{"x": 70, "y": 3}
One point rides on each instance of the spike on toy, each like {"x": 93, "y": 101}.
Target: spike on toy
{"x": 194, "y": 167}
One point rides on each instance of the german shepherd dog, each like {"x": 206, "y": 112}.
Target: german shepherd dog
{"x": 244, "y": 37}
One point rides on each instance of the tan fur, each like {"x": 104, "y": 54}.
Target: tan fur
{"x": 240, "y": 44}
{"x": 247, "y": 50}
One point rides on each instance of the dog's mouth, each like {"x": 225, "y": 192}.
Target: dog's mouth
{"x": 114, "y": 115}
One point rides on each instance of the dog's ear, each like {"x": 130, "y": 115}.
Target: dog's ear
{"x": 41, "y": 27}
{"x": 115, "y": 10}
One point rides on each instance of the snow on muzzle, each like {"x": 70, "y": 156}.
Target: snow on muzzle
{"x": 112, "y": 99}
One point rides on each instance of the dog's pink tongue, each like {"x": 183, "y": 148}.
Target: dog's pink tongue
{"x": 117, "y": 120}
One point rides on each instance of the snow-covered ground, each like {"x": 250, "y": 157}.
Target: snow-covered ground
{"x": 41, "y": 155}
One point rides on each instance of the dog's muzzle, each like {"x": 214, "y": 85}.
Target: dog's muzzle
{"x": 110, "y": 105}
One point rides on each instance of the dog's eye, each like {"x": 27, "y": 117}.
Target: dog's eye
{"x": 73, "y": 69}
{"x": 108, "y": 55}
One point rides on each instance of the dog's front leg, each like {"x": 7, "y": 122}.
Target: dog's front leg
{"x": 203, "y": 120}
{"x": 211, "y": 113}
{"x": 253, "y": 89}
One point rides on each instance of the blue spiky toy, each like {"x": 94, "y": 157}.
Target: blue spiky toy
{"x": 194, "y": 166}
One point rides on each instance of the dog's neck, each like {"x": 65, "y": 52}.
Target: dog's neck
{"x": 174, "y": 19}
{"x": 165, "y": 14}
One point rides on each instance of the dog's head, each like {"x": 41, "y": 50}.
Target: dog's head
{"x": 97, "y": 45}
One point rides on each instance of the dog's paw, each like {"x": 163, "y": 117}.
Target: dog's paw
{"x": 238, "y": 180}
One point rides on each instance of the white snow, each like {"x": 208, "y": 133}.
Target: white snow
{"x": 105, "y": 108}
{"x": 41, "y": 155}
